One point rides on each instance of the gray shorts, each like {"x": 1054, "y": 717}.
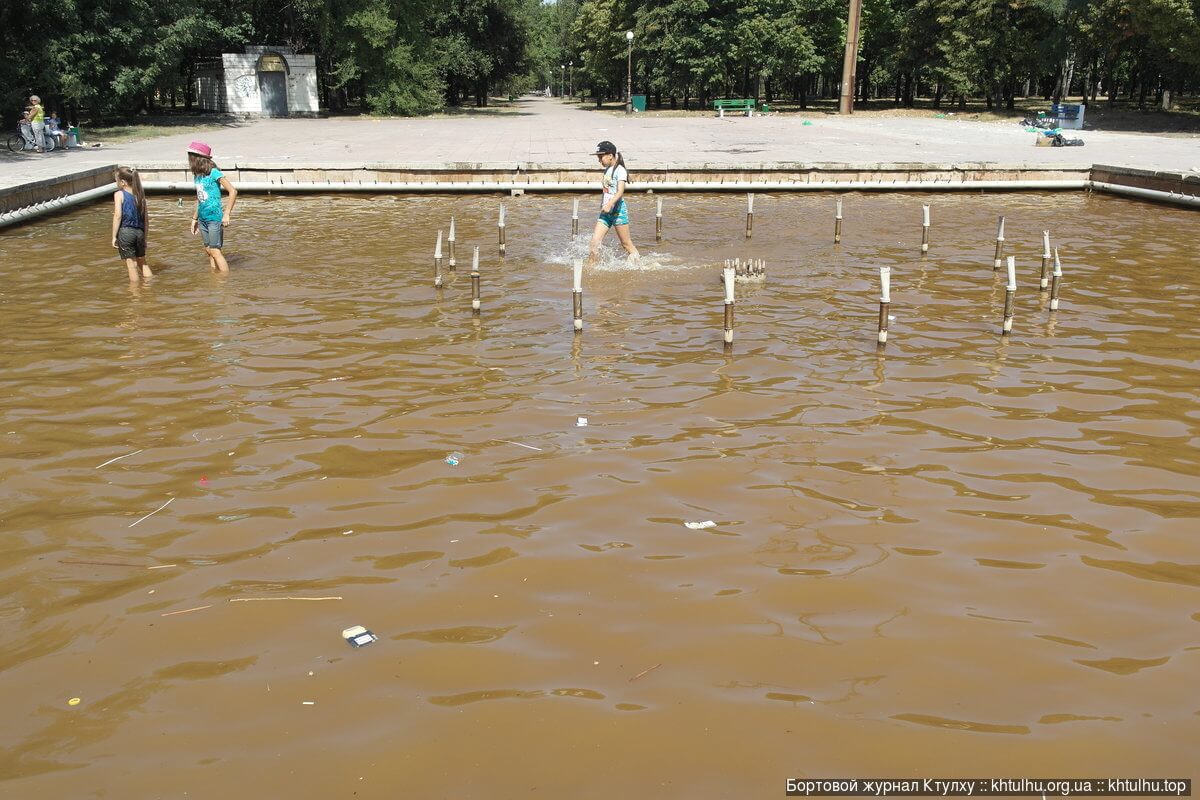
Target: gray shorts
{"x": 131, "y": 243}
{"x": 212, "y": 234}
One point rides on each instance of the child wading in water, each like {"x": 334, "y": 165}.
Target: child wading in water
{"x": 613, "y": 212}
{"x": 130, "y": 223}
{"x": 210, "y": 219}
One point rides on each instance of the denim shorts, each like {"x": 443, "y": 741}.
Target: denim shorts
{"x": 618, "y": 216}
{"x": 212, "y": 233}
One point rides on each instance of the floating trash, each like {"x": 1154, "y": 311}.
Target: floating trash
{"x": 358, "y": 636}
{"x": 74, "y": 701}
{"x": 454, "y": 458}
{"x": 708, "y": 523}
{"x": 581, "y": 422}
{"x": 232, "y": 517}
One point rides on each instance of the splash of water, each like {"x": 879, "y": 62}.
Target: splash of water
{"x": 613, "y": 259}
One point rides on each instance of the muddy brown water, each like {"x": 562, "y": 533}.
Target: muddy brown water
{"x": 965, "y": 556}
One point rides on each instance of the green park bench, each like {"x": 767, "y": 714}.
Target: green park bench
{"x": 746, "y": 105}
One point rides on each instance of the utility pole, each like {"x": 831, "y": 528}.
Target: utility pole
{"x": 629, "y": 74}
{"x": 850, "y": 61}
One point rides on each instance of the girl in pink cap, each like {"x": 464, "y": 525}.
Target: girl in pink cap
{"x": 210, "y": 218}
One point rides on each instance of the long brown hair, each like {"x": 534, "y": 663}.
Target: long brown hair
{"x": 201, "y": 165}
{"x": 130, "y": 176}
{"x": 621, "y": 163}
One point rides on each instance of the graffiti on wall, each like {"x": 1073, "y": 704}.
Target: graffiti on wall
{"x": 245, "y": 86}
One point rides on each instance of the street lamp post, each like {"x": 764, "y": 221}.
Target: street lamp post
{"x": 562, "y": 68}
{"x": 629, "y": 74}
{"x": 571, "y": 77}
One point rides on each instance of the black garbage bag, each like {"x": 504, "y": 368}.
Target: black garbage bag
{"x": 1062, "y": 141}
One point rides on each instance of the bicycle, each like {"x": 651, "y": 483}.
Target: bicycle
{"x": 17, "y": 143}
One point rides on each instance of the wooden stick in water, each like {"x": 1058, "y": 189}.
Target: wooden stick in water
{"x": 730, "y": 280}
{"x": 577, "y": 294}
{"x": 437, "y": 263}
{"x": 999, "y": 257}
{"x": 885, "y": 299}
{"x": 450, "y": 240}
{"x": 924, "y": 229}
{"x": 658, "y": 222}
{"x": 837, "y": 223}
{"x": 1044, "y": 282}
{"x": 501, "y": 229}
{"x": 475, "y": 282}
{"x": 1055, "y": 282}
{"x": 1010, "y": 291}
{"x": 749, "y": 215}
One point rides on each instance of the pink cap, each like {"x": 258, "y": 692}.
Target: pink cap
{"x": 200, "y": 149}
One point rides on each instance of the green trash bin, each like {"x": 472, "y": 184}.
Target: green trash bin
{"x": 639, "y": 102}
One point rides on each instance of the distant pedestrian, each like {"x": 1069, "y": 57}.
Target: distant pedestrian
{"x": 131, "y": 223}
{"x": 210, "y": 218}
{"x": 26, "y": 129}
{"x": 54, "y": 129}
{"x": 37, "y": 121}
{"x": 613, "y": 211}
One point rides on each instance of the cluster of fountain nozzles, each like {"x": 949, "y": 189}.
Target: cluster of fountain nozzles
{"x": 753, "y": 270}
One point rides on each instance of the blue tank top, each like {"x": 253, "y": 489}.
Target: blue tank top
{"x": 130, "y": 218}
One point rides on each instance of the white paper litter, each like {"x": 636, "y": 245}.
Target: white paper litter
{"x": 708, "y": 523}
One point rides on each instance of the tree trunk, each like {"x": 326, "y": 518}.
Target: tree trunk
{"x": 937, "y": 95}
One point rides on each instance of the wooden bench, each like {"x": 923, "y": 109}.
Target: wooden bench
{"x": 1068, "y": 115}
{"x": 745, "y": 104}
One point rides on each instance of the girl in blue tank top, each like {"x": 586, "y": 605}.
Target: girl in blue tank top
{"x": 130, "y": 223}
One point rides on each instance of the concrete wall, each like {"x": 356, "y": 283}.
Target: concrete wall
{"x": 174, "y": 176}
{"x": 13, "y": 198}
{"x": 708, "y": 177}
{"x": 303, "y": 99}
{"x": 241, "y": 83}
{"x": 233, "y": 89}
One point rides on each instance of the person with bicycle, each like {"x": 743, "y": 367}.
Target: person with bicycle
{"x": 37, "y": 121}
{"x": 25, "y": 128}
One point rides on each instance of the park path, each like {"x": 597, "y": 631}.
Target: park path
{"x": 542, "y": 130}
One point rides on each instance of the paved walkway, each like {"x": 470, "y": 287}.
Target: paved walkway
{"x": 548, "y": 131}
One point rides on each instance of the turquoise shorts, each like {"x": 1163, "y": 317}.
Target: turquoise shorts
{"x": 618, "y": 216}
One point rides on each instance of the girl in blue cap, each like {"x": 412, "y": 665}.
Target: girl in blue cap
{"x": 613, "y": 211}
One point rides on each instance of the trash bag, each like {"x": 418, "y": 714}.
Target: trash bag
{"x": 1062, "y": 141}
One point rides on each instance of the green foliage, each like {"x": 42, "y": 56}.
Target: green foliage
{"x": 414, "y": 56}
